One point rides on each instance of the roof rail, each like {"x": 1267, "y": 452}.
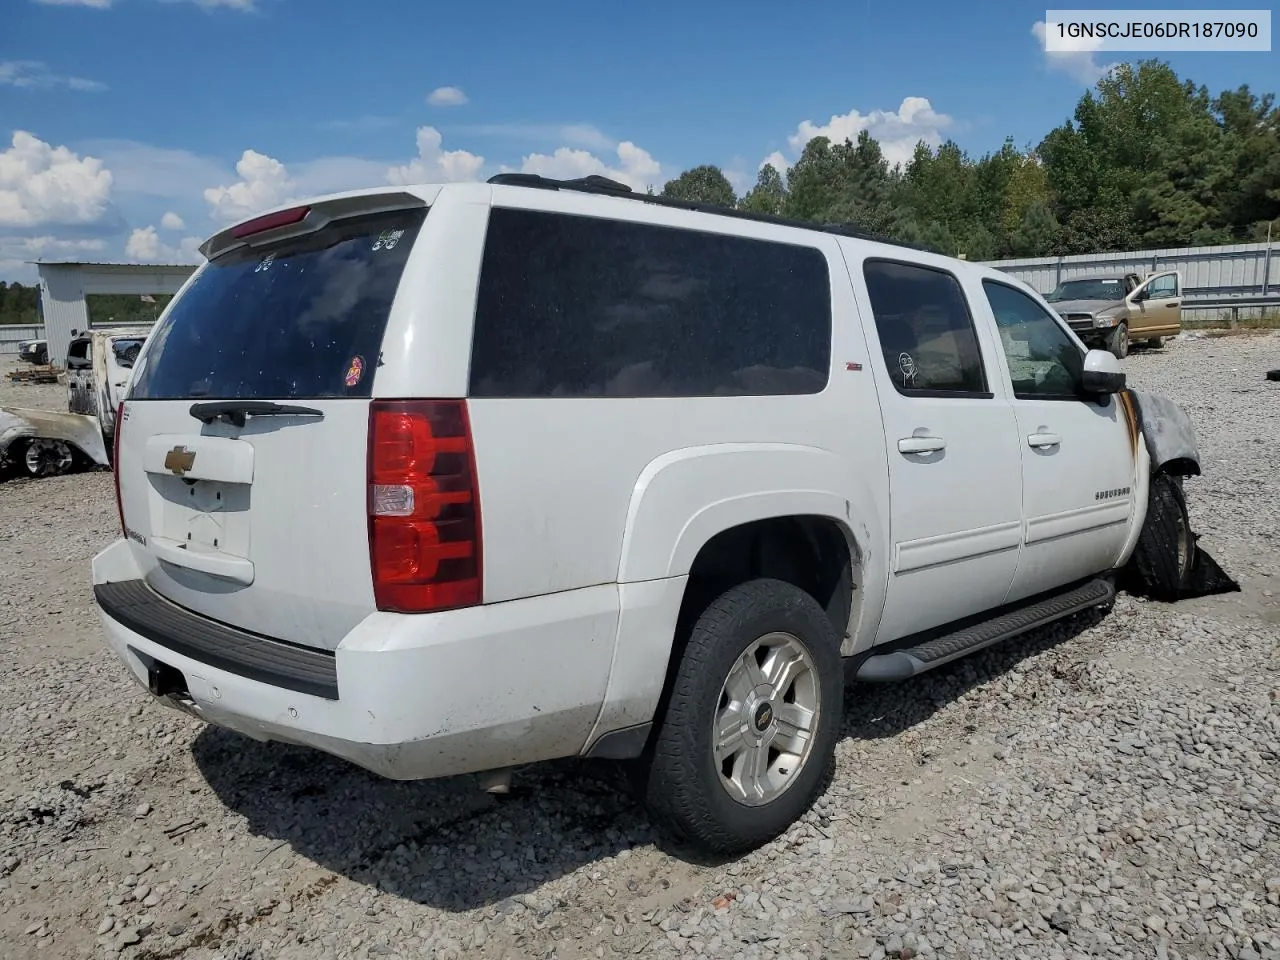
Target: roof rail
{"x": 606, "y": 187}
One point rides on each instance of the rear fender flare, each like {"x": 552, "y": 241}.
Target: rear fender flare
{"x": 685, "y": 497}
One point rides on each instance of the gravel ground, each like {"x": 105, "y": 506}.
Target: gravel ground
{"x": 1106, "y": 787}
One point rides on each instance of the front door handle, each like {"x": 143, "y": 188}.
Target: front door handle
{"x": 1172, "y": 303}
{"x": 1044, "y": 440}
{"x": 921, "y": 444}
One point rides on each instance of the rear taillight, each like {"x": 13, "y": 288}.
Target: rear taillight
{"x": 424, "y": 506}
{"x": 115, "y": 464}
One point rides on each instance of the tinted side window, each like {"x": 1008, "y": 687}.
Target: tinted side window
{"x": 1163, "y": 287}
{"x": 1044, "y": 362}
{"x": 574, "y": 306}
{"x": 925, "y": 330}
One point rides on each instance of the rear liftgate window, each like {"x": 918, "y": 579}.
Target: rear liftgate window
{"x": 299, "y": 319}
{"x": 574, "y": 306}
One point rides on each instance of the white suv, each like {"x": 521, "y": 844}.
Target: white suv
{"x": 458, "y": 478}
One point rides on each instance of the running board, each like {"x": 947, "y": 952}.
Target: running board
{"x": 909, "y": 661}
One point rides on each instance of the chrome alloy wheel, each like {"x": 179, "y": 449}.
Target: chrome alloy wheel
{"x": 48, "y": 458}
{"x": 766, "y": 719}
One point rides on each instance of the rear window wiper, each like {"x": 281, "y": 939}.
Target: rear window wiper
{"x": 236, "y": 411}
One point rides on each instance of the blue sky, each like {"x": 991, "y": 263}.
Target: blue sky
{"x": 132, "y": 129}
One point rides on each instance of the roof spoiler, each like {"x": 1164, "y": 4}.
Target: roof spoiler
{"x": 285, "y": 222}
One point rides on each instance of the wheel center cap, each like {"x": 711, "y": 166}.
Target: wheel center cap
{"x": 763, "y": 716}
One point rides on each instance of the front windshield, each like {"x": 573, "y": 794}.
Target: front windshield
{"x": 1088, "y": 290}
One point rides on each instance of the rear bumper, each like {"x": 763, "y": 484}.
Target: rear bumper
{"x": 416, "y": 696}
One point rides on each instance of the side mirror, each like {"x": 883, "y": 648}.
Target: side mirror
{"x": 1102, "y": 373}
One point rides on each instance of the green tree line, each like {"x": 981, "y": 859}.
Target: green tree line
{"x": 18, "y": 304}
{"x": 1148, "y": 160}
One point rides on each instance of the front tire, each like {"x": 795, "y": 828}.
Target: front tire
{"x": 748, "y": 738}
{"x": 1118, "y": 341}
{"x": 1165, "y": 554}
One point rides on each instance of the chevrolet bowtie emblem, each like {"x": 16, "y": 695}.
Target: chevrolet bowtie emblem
{"x": 179, "y": 460}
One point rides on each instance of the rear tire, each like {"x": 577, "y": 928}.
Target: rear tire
{"x": 748, "y": 738}
{"x": 1165, "y": 553}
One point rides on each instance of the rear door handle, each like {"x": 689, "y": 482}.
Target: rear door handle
{"x": 921, "y": 444}
{"x": 1044, "y": 440}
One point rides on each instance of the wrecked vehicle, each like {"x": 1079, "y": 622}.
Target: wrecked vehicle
{"x": 1112, "y": 312}
{"x": 44, "y": 443}
{"x": 34, "y": 351}
{"x": 403, "y": 479}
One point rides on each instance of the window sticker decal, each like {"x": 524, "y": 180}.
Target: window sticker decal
{"x": 355, "y": 371}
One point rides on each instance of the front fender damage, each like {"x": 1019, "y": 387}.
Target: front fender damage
{"x": 1169, "y": 434}
{"x": 1171, "y": 443}
{"x": 82, "y": 432}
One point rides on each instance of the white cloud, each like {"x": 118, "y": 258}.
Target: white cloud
{"x": 42, "y": 184}
{"x": 150, "y": 171}
{"x": 15, "y": 252}
{"x": 636, "y": 167}
{"x": 100, "y": 4}
{"x": 897, "y": 132}
{"x": 264, "y": 183}
{"x": 45, "y": 246}
{"x": 433, "y": 164}
{"x": 446, "y": 97}
{"x": 145, "y": 246}
{"x": 778, "y": 161}
{"x": 1079, "y": 62}
{"x": 171, "y": 221}
{"x": 34, "y": 75}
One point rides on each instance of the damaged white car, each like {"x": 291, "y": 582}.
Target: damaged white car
{"x": 42, "y": 443}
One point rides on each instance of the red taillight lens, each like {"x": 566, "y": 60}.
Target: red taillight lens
{"x": 270, "y": 221}
{"x": 115, "y": 464}
{"x": 424, "y": 506}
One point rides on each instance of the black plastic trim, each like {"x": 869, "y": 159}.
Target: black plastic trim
{"x": 137, "y": 607}
{"x": 625, "y": 744}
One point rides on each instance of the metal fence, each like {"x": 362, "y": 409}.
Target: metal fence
{"x": 1238, "y": 276}
{"x": 13, "y": 334}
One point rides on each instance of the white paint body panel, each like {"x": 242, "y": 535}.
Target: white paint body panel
{"x": 593, "y": 511}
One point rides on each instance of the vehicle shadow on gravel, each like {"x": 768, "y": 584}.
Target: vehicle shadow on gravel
{"x": 443, "y": 843}
{"x": 446, "y": 844}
